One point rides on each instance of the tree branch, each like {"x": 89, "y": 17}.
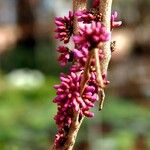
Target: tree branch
{"x": 105, "y": 10}
{"x": 78, "y": 5}
{"x": 98, "y": 68}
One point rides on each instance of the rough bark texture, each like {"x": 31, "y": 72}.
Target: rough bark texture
{"x": 78, "y": 5}
{"x": 105, "y": 10}
{"x": 75, "y": 126}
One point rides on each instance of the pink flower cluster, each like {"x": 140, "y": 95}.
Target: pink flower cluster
{"x": 87, "y": 16}
{"x": 114, "y": 22}
{"x": 91, "y": 35}
{"x": 80, "y": 56}
{"x": 64, "y": 27}
{"x": 69, "y": 100}
{"x": 93, "y": 15}
{"x": 64, "y": 55}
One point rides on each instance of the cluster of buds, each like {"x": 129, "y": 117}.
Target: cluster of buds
{"x": 87, "y": 16}
{"x": 69, "y": 100}
{"x": 64, "y": 27}
{"x": 88, "y": 38}
{"x": 91, "y": 35}
{"x": 69, "y": 97}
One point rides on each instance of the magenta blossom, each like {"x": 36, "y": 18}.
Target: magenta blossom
{"x": 93, "y": 15}
{"x": 91, "y": 35}
{"x": 86, "y": 16}
{"x": 65, "y": 55}
{"x": 69, "y": 100}
{"x": 114, "y": 22}
{"x": 64, "y": 27}
{"x": 68, "y": 94}
{"x": 80, "y": 57}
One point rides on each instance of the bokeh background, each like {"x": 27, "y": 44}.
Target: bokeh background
{"x": 28, "y": 71}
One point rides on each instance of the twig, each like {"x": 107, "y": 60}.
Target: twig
{"x": 98, "y": 68}
{"x": 73, "y": 131}
{"x": 86, "y": 73}
{"x": 101, "y": 95}
{"x": 100, "y": 82}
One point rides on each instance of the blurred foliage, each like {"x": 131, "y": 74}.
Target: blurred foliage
{"x": 27, "y": 118}
{"x": 43, "y": 57}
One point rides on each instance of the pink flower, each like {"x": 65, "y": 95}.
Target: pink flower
{"x": 69, "y": 100}
{"x": 65, "y": 55}
{"x": 80, "y": 57}
{"x": 68, "y": 93}
{"x": 114, "y": 22}
{"x": 64, "y": 27}
{"x": 91, "y": 35}
{"x": 94, "y": 15}
{"x": 88, "y": 16}
{"x": 85, "y": 16}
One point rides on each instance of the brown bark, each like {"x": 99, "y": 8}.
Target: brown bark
{"x": 105, "y": 10}
{"x": 78, "y": 5}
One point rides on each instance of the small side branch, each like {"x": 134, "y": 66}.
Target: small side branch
{"x": 86, "y": 73}
{"x": 98, "y": 68}
{"x": 100, "y": 82}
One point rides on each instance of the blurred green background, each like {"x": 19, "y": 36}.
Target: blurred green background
{"x": 28, "y": 71}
